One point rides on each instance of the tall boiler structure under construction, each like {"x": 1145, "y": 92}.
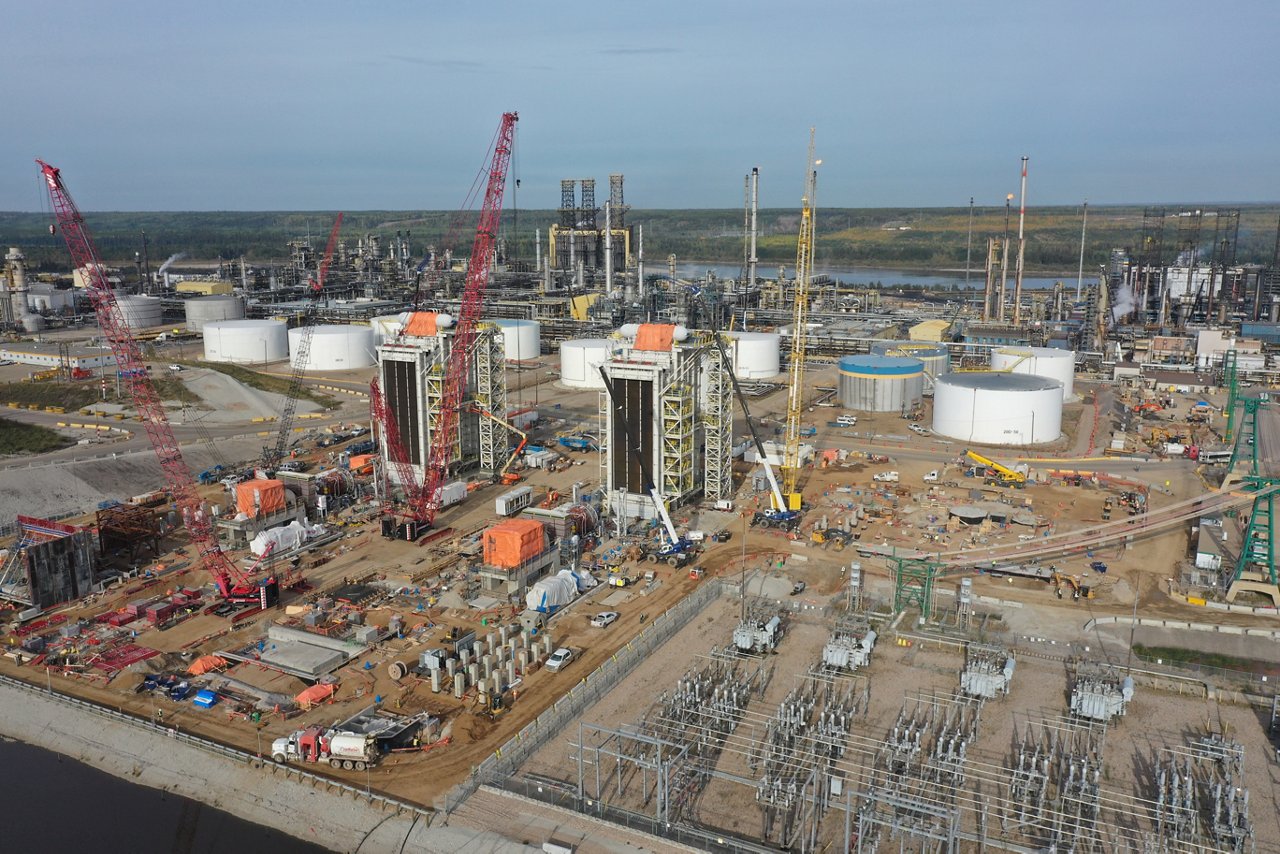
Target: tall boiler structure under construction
{"x": 411, "y": 370}
{"x": 674, "y": 412}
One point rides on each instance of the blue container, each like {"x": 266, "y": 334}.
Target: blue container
{"x": 206, "y": 699}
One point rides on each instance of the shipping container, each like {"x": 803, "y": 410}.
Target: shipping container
{"x": 510, "y": 503}
{"x": 451, "y": 494}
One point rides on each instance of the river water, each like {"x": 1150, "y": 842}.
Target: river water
{"x": 53, "y": 803}
{"x": 862, "y": 276}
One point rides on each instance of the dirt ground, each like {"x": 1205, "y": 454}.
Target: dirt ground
{"x": 1155, "y": 722}
{"x": 1038, "y": 689}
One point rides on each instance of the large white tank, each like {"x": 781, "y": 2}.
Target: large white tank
{"x": 935, "y": 357}
{"x": 141, "y": 312}
{"x": 246, "y": 342}
{"x": 202, "y": 310}
{"x": 880, "y": 383}
{"x": 756, "y": 355}
{"x": 338, "y": 347}
{"x": 1049, "y": 362}
{"x": 523, "y": 339}
{"x": 386, "y": 326}
{"x": 580, "y": 361}
{"x": 997, "y": 408}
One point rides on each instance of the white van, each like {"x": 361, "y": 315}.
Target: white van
{"x": 847, "y": 421}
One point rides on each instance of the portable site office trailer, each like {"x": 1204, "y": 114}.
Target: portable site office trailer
{"x": 511, "y": 503}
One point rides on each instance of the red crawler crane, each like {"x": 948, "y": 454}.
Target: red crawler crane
{"x": 233, "y": 585}
{"x": 423, "y": 499}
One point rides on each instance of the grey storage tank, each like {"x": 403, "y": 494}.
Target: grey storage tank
{"x": 878, "y": 383}
{"x": 935, "y": 357}
{"x": 211, "y": 309}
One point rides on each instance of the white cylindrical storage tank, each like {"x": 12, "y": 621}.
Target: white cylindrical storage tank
{"x": 880, "y": 383}
{"x": 338, "y": 347}
{"x": 997, "y": 408}
{"x": 246, "y": 342}
{"x": 756, "y": 355}
{"x": 580, "y": 361}
{"x": 523, "y": 339}
{"x": 1048, "y": 362}
{"x": 386, "y": 326}
{"x": 141, "y": 312}
{"x": 202, "y": 310}
{"x": 936, "y": 358}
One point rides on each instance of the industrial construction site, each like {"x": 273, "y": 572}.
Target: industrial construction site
{"x": 584, "y": 553}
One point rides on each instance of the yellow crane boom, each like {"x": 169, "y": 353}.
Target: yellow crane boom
{"x": 1006, "y": 473}
{"x": 799, "y": 335}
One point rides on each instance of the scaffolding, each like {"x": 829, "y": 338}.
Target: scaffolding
{"x": 717, "y": 461}
{"x": 491, "y": 396}
{"x": 677, "y": 424}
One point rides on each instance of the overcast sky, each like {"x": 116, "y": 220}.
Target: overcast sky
{"x": 283, "y": 105}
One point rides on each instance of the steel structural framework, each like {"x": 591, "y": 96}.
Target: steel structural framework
{"x": 491, "y": 396}
{"x": 454, "y": 386}
{"x": 717, "y": 461}
{"x": 133, "y": 370}
{"x": 677, "y": 423}
{"x": 913, "y": 585}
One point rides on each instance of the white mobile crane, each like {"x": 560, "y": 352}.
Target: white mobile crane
{"x": 675, "y": 550}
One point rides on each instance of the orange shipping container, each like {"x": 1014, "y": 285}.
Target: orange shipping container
{"x": 260, "y": 497}
{"x": 509, "y": 544}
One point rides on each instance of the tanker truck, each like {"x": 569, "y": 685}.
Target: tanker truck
{"x": 315, "y": 744}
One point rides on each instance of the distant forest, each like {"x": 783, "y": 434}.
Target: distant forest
{"x": 899, "y": 238}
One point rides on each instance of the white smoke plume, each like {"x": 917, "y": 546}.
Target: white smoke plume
{"x": 177, "y": 256}
{"x": 1124, "y": 304}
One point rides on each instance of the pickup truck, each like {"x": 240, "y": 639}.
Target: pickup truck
{"x": 559, "y": 659}
{"x": 885, "y": 477}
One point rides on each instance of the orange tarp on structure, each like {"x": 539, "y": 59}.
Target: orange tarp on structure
{"x": 260, "y": 497}
{"x": 315, "y": 695}
{"x": 655, "y": 337}
{"x": 359, "y": 461}
{"x": 421, "y": 324}
{"x": 206, "y": 664}
{"x": 509, "y": 544}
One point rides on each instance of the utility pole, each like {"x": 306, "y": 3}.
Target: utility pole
{"x": 1084, "y": 222}
{"x": 968, "y": 247}
{"x": 1022, "y": 245}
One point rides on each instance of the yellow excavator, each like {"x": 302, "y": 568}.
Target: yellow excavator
{"x": 1008, "y": 475}
{"x": 1079, "y": 591}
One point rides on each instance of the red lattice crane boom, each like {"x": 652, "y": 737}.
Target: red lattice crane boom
{"x": 445, "y": 432}
{"x": 232, "y": 583}
{"x": 385, "y": 419}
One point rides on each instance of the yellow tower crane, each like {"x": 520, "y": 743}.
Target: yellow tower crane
{"x": 799, "y": 335}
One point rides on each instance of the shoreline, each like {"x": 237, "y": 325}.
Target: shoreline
{"x": 323, "y": 813}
